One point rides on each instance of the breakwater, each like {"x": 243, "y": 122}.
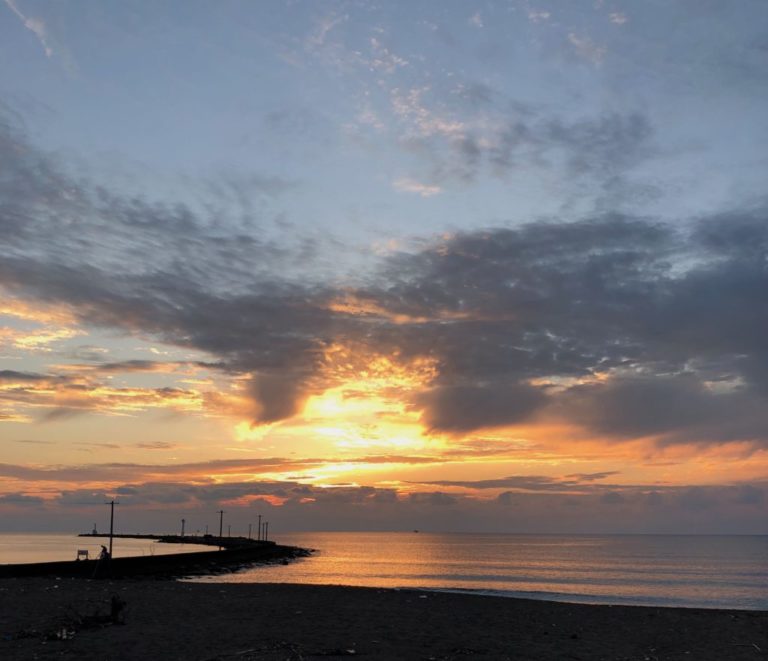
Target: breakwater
{"x": 234, "y": 553}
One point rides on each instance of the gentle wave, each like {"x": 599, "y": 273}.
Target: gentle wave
{"x": 610, "y": 600}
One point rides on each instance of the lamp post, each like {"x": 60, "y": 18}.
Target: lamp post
{"x": 111, "y": 504}
{"x": 221, "y": 526}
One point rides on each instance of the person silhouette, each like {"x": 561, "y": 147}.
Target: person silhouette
{"x": 102, "y": 568}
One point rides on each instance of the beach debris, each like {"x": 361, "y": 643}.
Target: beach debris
{"x": 116, "y": 615}
{"x": 287, "y": 652}
{"x": 334, "y": 652}
{"x": 117, "y": 609}
{"x": 467, "y": 651}
{"x": 757, "y": 647}
{"x": 62, "y": 633}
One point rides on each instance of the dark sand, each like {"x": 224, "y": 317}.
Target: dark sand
{"x": 170, "y": 620}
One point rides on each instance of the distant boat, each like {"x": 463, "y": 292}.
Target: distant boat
{"x": 415, "y": 530}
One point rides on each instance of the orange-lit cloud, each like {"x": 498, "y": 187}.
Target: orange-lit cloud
{"x": 478, "y": 365}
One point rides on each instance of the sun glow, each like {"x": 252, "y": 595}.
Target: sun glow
{"x": 364, "y": 412}
{"x": 368, "y": 410}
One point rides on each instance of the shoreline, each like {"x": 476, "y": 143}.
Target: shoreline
{"x": 585, "y": 599}
{"x": 45, "y": 618}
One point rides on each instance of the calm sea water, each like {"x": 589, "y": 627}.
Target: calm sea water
{"x": 663, "y": 570}
{"x": 16, "y": 548}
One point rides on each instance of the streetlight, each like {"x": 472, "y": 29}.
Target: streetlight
{"x": 111, "y": 504}
{"x": 221, "y": 526}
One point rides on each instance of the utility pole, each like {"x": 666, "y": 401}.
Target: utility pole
{"x": 183, "y": 521}
{"x": 221, "y": 526}
{"x": 259, "y": 529}
{"x": 266, "y": 531}
{"x": 111, "y": 504}
{"x": 229, "y": 530}
{"x": 249, "y": 530}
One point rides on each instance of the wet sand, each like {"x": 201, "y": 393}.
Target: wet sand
{"x": 47, "y": 618}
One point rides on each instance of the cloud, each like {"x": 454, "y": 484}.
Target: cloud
{"x": 11, "y": 375}
{"x": 698, "y": 508}
{"x": 587, "y": 49}
{"x": 59, "y": 397}
{"x": 612, "y": 498}
{"x": 134, "y": 366}
{"x": 154, "y": 268}
{"x": 538, "y": 15}
{"x": 407, "y": 185}
{"x": 277, "y": 396}
{"x": 464, "y": 408}
{"x": 476, "y": 20}
{"x": 675, "y": 408}
{"x": 156, "y": 445}
{"x": 322, "y": 29}
{"x": 20, "y": 500}
{"x": 36, "y": 341}
{"x": 569, "y": 484}
{"x": 479, "y": 132}
{"x": 436, "y": 498}
{"x": 194, "y": 472}
{"x": 41, "y": 29}
{"x": 622, "y": 326}
{"x": 383, "y": 59}
{"x": 598, "y": 301}
{"x": 533, "y": 483}
{"x": 590, "y": 477}
{"x": 35, "y": 25}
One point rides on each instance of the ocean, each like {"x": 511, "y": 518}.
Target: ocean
{"x": 40, "y": 547}
{"x": 728, "y": 571}
{"x": 652, "y": 570}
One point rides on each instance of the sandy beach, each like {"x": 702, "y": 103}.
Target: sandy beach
{"x": 69, "y": 618}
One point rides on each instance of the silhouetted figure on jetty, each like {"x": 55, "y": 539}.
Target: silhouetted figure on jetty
{"x": 102, "y": 566}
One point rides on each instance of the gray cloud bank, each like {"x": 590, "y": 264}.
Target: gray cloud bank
{"x": 625, "y": 326}
{"x": 529, "y": 504}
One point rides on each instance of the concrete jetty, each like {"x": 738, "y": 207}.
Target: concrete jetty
{"x": 235, "y": 553}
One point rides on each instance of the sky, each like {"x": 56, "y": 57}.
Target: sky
{"x": 352, "y": 265}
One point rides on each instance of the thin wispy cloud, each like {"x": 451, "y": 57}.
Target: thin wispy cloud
{"x": 35, "y": 25}
{"x": 586, "y": 48}
{"x": 407, "y": 185}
